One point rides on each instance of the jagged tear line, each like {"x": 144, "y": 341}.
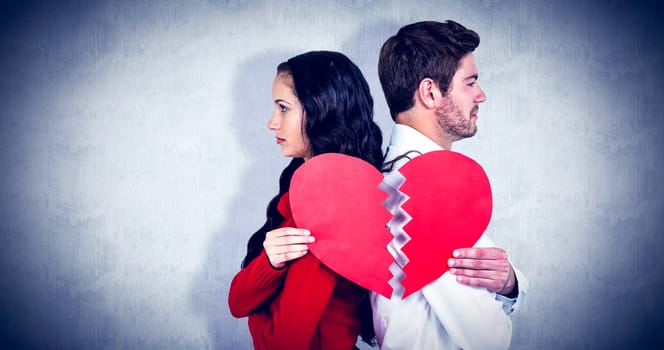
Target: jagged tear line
{"x": 390, "y": 185}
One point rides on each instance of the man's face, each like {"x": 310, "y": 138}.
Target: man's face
{"x": 457, "y": 113}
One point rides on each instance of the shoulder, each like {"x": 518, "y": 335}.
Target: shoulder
{"x": 284, "y": 206}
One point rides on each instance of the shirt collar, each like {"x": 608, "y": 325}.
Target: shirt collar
{"x": 404, "y": 136}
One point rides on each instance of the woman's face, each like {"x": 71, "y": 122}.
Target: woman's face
{"x": 287, "y": 118}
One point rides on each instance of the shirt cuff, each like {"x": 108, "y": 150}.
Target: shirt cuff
{"x": 513, "y": 304}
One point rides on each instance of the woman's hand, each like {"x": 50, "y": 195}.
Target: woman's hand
{"x": 285, "y": 244}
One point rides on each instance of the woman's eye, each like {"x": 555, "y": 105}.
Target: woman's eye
{"x": 283, "y": 109}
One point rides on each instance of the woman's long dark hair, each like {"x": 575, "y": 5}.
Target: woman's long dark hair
{"x": 338, "y": 117}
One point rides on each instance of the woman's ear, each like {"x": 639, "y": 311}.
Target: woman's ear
{"x": 427, "y": 93}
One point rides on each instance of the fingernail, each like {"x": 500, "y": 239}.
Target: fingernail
{"x": 456, "y": 254}
{"x": 453, "y": 271}
{"x": 450, "y": 262}
{"x": 311, "y": 239}
{"x": 307, "y": 232}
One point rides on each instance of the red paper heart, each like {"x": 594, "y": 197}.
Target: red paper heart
{"x": 337, "y": 197}
{"x": 450, "y": 206}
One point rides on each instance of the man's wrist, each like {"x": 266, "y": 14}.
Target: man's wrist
{"x": 515, "y": 290}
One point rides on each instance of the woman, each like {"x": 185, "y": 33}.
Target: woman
{"x": 322, "y": 104}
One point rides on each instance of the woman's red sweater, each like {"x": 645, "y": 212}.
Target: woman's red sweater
{"x": 302, "y": 306}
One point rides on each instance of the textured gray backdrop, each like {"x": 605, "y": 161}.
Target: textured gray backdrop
{"x": 135, "y": 161}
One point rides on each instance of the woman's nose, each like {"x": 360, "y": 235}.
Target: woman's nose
{"x": 273, "y": 123}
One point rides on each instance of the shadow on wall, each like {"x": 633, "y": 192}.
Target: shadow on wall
{"x": 252, "y": 91}
{"x": 363, "y": 48}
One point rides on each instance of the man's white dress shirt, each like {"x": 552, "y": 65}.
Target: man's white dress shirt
{"x": 444, "y": 314}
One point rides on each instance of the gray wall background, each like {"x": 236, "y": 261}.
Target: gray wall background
{"x": 135, "y": 160}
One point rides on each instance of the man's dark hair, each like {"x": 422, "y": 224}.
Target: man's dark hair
{"x": 420, "y": 50}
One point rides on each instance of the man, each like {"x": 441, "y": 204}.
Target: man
{"x": 429, "y": 77}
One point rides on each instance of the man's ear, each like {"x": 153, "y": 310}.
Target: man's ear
{"x": 427, "y": 93}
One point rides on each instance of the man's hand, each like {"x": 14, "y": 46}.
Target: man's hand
{"x": 483, "y": 267}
